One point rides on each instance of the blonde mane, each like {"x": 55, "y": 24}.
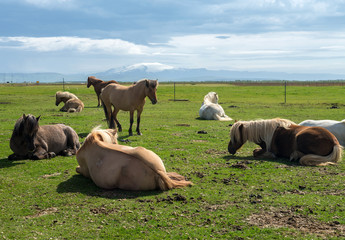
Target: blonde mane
{"x": 65, "y": 96}
{"x": 258, "y": 131}
{"x": 211, "y": 97}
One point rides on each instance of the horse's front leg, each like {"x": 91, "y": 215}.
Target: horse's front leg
{"x": 260, "y": 151}
{"x": 138, "y": 121}
{"x": 131, "y": 120}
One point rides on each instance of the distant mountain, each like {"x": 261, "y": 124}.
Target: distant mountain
{"x": 165, "y": 73}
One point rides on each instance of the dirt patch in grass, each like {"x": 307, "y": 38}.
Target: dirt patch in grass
{"x": 278, "y": 218}
{"x": 43, "y": 212}
{"x": 215, "y": 152}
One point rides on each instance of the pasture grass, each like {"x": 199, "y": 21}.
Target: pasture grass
{"x": 233, "y": 197}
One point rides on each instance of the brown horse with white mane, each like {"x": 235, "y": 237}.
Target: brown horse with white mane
{"x": 130, "y": 99}
{"x": 312, "y": 146}
{"x": 112, "y": 166}
{"x": 98, "y": 84}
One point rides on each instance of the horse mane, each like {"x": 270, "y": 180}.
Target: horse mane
{"x": 66, "y": 94}
{"x": 96, "y": 135}
{"x": 258, "y": 130}
{"x": 152, "y": 83}
{"x": 209, "y": 97}
{"x": 19, "y": 126}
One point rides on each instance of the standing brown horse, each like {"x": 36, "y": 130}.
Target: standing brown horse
{"x": 130, "y": 99}
{"x": 29, "y": 140}
{"x": 312, "y": 146}
{"x": 98, "y": 84}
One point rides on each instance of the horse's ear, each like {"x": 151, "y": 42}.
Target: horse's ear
{"x": 147, "y": 83}
{"x": 38, "y": 118}
{"x": 24, "y": 115}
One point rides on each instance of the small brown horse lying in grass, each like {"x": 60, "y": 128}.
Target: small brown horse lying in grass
{"x": 31, "y": 141}
{"x": 112, "y": 166}
{"x": 130, "y": 99}
{"x": 98, "y": 84}
{"x": 72, "y": 102}
{"x": 312, "y": 146}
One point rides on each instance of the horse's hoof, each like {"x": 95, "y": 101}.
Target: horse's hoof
{"x": 139, "y": 133}
{"x": 130, "y": 134}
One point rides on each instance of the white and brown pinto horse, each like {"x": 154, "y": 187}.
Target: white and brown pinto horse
{"x": 72, "y": 102}
{"x": 98, "y": 84}
{"x": 113, "y": 166}
{"x": 312, "y": 146}
{"x": 337, "y": 128}
{"x": 211, "y": 110}
{"x": 127, "y": 98}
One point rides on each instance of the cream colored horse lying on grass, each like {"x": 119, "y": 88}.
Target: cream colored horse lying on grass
{"x": 111, "y": 166}
{"x": 211, "y": 110}
{"x": 72, "y": 102}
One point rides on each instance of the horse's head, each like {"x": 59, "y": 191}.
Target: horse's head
{"x": 89, "y": 81}
{"x": 30, "y": 128}
{"x": 236, "y": 138}
{"x": 151, "y": 89}
{"x": 58, "y": 98}
{"x": 211, "y": 97}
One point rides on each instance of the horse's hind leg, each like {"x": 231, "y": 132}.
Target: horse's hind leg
{"x": 131, "y": 120}
{"x": 114, "y": 117}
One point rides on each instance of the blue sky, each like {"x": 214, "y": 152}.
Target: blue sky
{"x": 76, "y": 36}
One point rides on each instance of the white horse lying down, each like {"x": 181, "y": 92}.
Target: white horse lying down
{"x": 211, "y": 110}
{"x": 72, "y": 102}
{"x": 337, "y": 128}
{"x": 111, "y": 165}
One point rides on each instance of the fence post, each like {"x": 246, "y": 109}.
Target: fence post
{"x": 285, "y": 92}
{"x": 174, "y": 91}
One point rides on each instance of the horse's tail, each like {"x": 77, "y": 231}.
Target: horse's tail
{"x": 316, "y": 160}
{"x": 222, "y": 118}
{"x": 171, "y": 180}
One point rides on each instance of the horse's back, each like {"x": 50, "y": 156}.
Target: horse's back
{"x": 208, "y": 111}
{"x": 58, "y": 137}
{"x": 116, "y": 169}
{"x": 307, "y": 140}
{"x": 337, "y": 128}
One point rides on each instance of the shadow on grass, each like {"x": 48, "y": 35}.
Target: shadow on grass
{"x": 5, "y": 163}
{"x": 261, "y": 159}
{"x": 82, "y": 135}
{"x": 80, "y": 184}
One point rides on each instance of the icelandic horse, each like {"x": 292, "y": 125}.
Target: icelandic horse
{"x": 312, "y": 146}
{"x": 114, "y": 166}
{"x": 127, "y": 98}
{"x": 98, "y": 85}
{"x": 211, "y": 110}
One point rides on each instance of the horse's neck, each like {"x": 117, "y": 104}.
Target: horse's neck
{"x": 138, "y": 90}
{"x": 96, "y": 82}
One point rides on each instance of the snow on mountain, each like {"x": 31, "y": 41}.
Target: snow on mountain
{"x": 166, "y": 73}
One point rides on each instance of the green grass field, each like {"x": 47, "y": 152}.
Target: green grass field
{"x": 233, "y": 197}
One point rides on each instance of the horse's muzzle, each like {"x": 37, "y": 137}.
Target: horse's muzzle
{"x": 231, "y": 149}
{"x": 154, "y": 101}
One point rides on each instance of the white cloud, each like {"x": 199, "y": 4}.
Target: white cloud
{"x": 52, "y": 3}
{"x": 150, "y": 67}
{"x": 84, "y": 45}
